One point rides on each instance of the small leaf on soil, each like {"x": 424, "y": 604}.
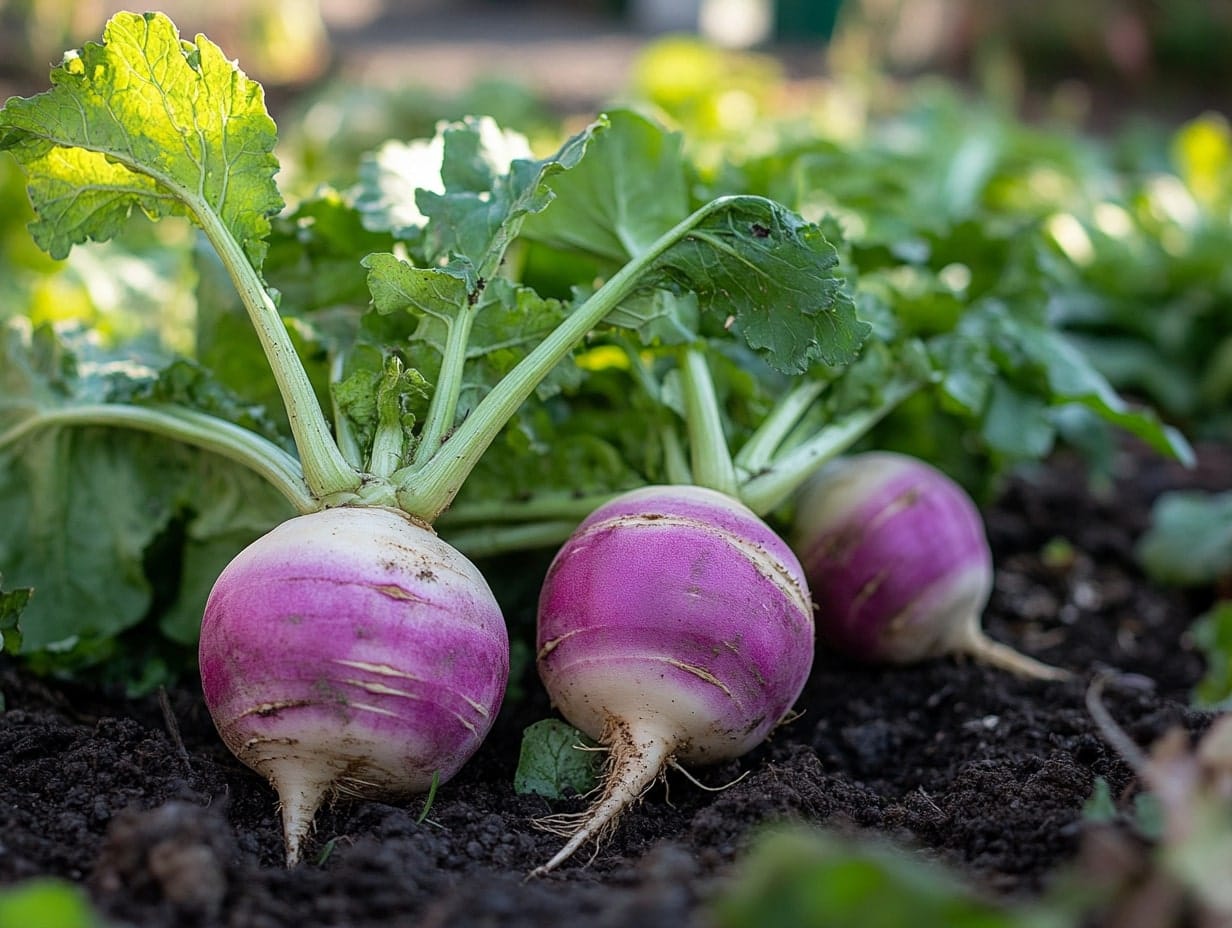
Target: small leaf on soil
{"x": 556, "y": 757}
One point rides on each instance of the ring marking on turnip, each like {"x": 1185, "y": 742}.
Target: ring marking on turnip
{"x": 699, "y": 672}
{"x": 478, "y": 707}
{"x": 393, "y": 591}
{"x": 869, "y": 589}
{"x": 755, "y": 554}
{"x": 380, "y": 689}
{"x": 383, "y": 669}
{"x": 376, "y": 709}
{"x": 550, "y": 646}
{"x": 269, "y": 708}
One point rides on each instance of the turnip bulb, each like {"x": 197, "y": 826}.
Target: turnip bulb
{"x": 674, "y": 625}
{"x": 899, "y": 564}
{"x": 352, "y": 651}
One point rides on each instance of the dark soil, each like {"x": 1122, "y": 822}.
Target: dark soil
{"x": 978, "y": 769}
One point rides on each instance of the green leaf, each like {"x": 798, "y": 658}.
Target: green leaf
{"x": 87, "y": 509}
{"x": 760, "y": 269}
{"x": 392, "y": 176}
{"x": 559, "y": 452}
{"x": 314, "y": 253}
{"x": 145, "y": 121}
{"x": 659, "y": 317}
{"x": 430, "y": 798}
{"x": 481, "y": 209}
{"x": 186, "y": 383}
{"x": 1009, "y": 368}
{"x": 12, "y": 602}
{"x": 1073, "y": 379}
{"x": 1016, "y": 424}
{"x": 556, "y": 757}
{"x": 51, "y": 498}
{"x": 82, "y": 506}
{"x": 1100, "y": 808}
{"x": 799, "y": 878}
{"x": 46, "y": 901}
{"x": 630, "y": 189}
{"x": 358, "y": 396}
{"x": 399, "y": 286}
{"x": 1189, "y": 542}
{"x": 1150, "y": 818}
{"x": 967, "y": 373}
{"x": 1212, "y": 633}
{"x": 508, "y": 321}
{"x": 37, "y": 371}
{"x": 768, "y": 276}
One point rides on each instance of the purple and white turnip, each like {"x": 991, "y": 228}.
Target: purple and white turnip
{"x": 899, "y": 564}
{"x": 674, "y": 624}
{"x": 351, "y": 650}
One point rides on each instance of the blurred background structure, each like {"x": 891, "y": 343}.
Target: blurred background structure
{"x": 1100, "y": 56}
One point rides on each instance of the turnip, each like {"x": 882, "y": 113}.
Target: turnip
{"x": 899, "y": 564}
{"x": 674, "y": 624}
{"x": 351, "y": 650}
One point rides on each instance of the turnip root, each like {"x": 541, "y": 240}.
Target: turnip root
{"x": 351, "y": 650}
{"x": 674, "y": 624}
{"x": 898, "y": 564}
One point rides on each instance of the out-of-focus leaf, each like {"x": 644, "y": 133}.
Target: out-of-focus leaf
{"x": 796, "y": 878}
{"x": 1212, "y": 633}
{"x": 1189, "y": 542}
{"x": 12, "y": 602}
{"x": 46, "y": 901}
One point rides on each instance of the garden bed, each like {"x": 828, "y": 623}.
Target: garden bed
{"x": 140, "y": 802}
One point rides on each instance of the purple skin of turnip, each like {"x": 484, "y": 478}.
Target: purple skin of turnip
{"x": 899, "y": 565}
{"x": 674, "y": 624}
{"x": 351, "y": 651}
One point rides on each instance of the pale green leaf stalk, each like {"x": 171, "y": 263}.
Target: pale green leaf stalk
{"x": 783, "y": 469}
{"x": 186, "y": 425}
{"x": 766, "y": 489}
{"x": 711, "y": 459}
{"x": 756, "y": 453}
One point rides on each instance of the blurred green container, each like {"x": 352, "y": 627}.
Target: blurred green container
{"x": 805, "y": 20}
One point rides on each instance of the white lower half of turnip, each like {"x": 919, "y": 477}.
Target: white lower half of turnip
{"x": 351, "y": 650}
{"x": 673, "y": 625}
{"x": 899, "y": 564}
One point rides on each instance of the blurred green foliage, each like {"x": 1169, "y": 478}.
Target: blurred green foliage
{"x": 801, "y": 878}
{"x": 948, "y": 200}
{"x": 46, "y": 903}
{"x": 1212, "y": 633}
